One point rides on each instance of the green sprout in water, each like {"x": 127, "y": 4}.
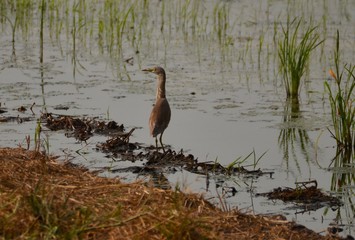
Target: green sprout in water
{"x": 342, "y": 102}
{"x": 239, "y": 161}
{"x": 294, "y": 54}
{"x": 37, "y": 137}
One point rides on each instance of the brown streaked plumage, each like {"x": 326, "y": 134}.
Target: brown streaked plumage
{"x": 160, "y": 116}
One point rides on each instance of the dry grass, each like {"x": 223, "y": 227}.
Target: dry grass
{"x": 41, "y": 198}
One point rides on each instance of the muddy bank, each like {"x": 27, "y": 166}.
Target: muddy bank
{"x": 42, "y": 198}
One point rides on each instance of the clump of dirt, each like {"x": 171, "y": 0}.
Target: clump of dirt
{"x": 81, "y": 128}
{"x": 119, "y": 144}
{"x": 306, "y": 195}
{"x": 41, "y": 198}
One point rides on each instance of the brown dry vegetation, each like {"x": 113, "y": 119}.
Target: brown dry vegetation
{"x": 41, "y": 198}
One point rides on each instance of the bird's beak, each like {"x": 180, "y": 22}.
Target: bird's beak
{"x": 148, "y": 70}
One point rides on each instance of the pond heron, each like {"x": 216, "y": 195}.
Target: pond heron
{"x": 160, "y": 116}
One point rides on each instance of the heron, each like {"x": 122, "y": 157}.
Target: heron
{"x": 160, "y": 116}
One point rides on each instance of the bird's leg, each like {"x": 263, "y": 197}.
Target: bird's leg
{"x": 156, "y": 143}
{"x": 161, "y": 142}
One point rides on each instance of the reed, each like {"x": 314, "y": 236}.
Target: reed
{"x": 342, "y": 101}
{"x": 294, "y": 54}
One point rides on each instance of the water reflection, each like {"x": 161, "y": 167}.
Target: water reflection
{"x": 13, "y": 26}
{"x": 292, "y": 137}
{"x": 41, "y": 51}
{"x": 342, "y": 183}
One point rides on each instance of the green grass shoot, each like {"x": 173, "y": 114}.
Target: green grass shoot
{"x": 342, "y": 101}
{"x": 294, "y": 54}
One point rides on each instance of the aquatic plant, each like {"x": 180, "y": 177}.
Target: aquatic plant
{"x": 260, "y": 48}
{"x": 37, "y": 137}
{"x": 294, "y": 54}
{"x": 239, "y": 161}
{"x": 222, "y": 29}
{"x": 342, "y": 101}
{"x": 341, "y": 98}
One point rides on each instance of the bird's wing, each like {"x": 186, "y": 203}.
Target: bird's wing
{"x": 159, "y": 117}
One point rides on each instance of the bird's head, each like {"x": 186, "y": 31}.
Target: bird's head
{"x": 157, "y": 70}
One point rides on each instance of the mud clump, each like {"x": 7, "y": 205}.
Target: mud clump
{"x": 306, "y": 195}
{"x": 81, "y": 128}
{"x": 119, "y": 144}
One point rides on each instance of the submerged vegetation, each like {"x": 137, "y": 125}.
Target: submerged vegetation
{"x": 116, "y": 25}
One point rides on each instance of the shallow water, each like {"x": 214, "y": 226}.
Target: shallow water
{"x": 225, "y": 90}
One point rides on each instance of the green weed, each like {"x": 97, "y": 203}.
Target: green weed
{"x": 294, "y": 54}
{"x": 221, "y": 24}
{"x": 37, "y": 137}
{"x": 342, "y": 101}
{"x": 55, "y": 221}
{"x": 239, "y": 161}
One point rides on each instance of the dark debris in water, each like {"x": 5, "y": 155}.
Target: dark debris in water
{"x": 23, "y": 109}
{"x": 61, "y": 107}
{"x": 17, "y": 118}
{"x": 119, "y": 144}
{"x": 81, "y": 128}
{"x": 306, "y": 193}
{"x": 217, "y": 168}
{"x": 2, "y": 110}
{"x": 169, "y": 158}
{"x": 155, "y": 160}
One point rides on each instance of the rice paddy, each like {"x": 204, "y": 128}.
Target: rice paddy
{"x": 227, "y": 73}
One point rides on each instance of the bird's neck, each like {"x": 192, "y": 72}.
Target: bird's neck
{"x": 161, "y": 87}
